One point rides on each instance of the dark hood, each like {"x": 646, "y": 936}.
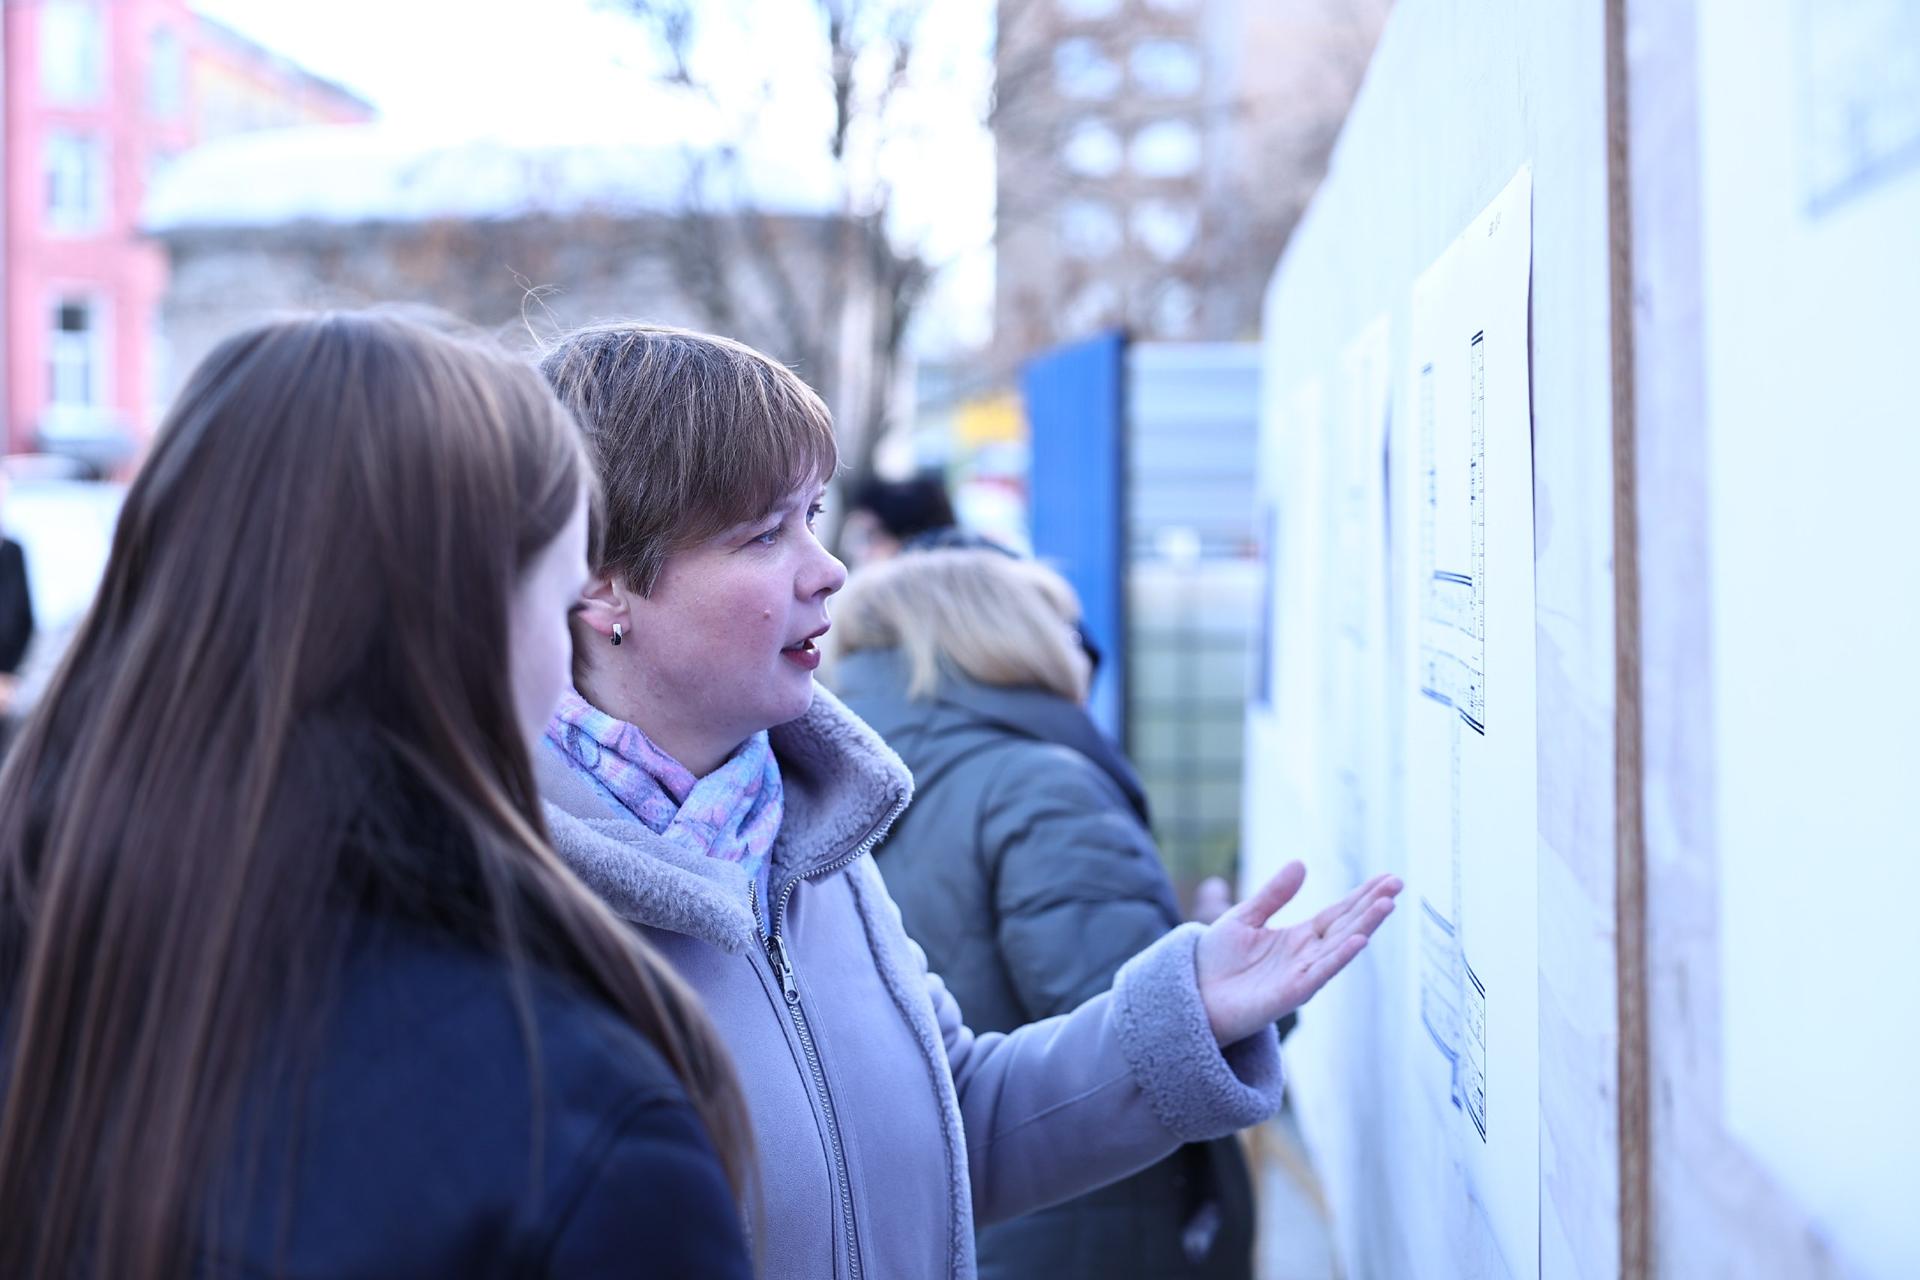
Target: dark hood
{"x": 964, "y": 716}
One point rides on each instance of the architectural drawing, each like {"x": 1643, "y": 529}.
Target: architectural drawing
{"x": 1470, "y": 739}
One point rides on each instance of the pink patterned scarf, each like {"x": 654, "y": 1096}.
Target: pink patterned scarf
{"x": 732, "y": 814}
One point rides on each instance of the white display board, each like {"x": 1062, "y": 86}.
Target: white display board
{"x": 1470, "y": 733}
{"x": 1811, "y": 244}
{"x": 1459, "y": 99}
{"x": 1323, "y": 742}
{"x": 1398, "y": 731}
{"x": 1300, "y": 631}
{"x": 1353, "y": 704}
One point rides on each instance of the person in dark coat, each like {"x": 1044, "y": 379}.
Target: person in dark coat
{"x": 16, "y": 608}
{"x": 1026, "y": 868}
{"x": 419, "y": 1132}
{"x": 420, "y": 1104}
{"x": 16, "y": 621}
{"x": 291, "y": 981}
{"x": 883, "y": 516}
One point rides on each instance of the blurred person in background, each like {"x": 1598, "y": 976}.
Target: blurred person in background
{"x": 699, "y": 781}
{"x": 1027, "y": 869}
{"x": 290, "y": 981}
{"x": 885, "y": 515}
{"x": 16, "y": 618}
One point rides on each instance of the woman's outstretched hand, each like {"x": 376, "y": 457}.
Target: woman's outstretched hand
{"x": 1252, "y": 976}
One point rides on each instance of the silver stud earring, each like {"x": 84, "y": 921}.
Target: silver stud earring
{"x": 616, "y": 633}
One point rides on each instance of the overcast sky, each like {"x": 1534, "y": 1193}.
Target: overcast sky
{"x": 575, "y": 69}
{"x": 462, "y": 67}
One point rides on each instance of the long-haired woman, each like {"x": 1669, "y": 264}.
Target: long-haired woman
{"x": 290, "y": 981}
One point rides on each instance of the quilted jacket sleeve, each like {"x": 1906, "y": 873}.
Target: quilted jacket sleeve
{"x": 1077, "y": 883}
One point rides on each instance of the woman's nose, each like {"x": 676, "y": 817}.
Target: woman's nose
{"x": 826, "y": 576}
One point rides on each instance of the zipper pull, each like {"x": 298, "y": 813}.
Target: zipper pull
{"x": 783, "y": 965}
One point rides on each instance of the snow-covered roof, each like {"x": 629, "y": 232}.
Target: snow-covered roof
{"x": 369, "y": 173}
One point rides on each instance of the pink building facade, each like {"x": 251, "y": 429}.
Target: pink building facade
{"x": 99, "y": 94}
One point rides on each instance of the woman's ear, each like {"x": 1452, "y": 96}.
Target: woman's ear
{"x": 605, "y": 611}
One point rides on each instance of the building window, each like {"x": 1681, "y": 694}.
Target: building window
{"x": 73, "y": 51}
{"x": 1090, "y": 228}
{"x": 1175, "y": 310}
{"x": 76, "y": 363}
{"x": 1096, "y": 306}
{"x": 1167, "y": 228}
{"x": 166, "y": 74}
{"x": 1087, "y": 10}
{"x": 1081, "y": 70}
{"x": 1093, "y": 150}
{"x": 76, "y": 182}
{"x": 1166, "y": 149}
{"x": 159, "y": 160}
{"x": 1165, "y": 68}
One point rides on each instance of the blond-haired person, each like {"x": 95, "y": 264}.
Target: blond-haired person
{"x": 1027, "y": 869}
{"x": 697, "y": 782}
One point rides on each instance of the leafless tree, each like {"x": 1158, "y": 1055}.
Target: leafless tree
{"x": 754, "y": 270}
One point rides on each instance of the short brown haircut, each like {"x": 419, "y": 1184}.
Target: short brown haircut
{"x": 693, "y": 434}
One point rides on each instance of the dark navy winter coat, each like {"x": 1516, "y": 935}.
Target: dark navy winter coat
{"x": 416, "y": 1150}
{"x": 415, "y": 1120}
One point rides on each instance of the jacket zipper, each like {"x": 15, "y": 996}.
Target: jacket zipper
{"x": 782, "y": 961}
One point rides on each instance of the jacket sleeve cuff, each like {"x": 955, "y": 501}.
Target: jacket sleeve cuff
{"x": 1197, "y": 1090}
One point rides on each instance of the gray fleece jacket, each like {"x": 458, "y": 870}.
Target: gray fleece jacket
{"x": 885, "y": 1127}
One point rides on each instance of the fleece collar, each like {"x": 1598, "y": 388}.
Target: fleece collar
{"x": 843, "y": 785}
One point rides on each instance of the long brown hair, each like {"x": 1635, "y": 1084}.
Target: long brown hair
{"x": 329, "y": 529}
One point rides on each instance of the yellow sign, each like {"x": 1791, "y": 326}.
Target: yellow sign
{"x": 996, "y": 418}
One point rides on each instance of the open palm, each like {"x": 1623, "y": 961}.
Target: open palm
{"x": 1251, "y": 976}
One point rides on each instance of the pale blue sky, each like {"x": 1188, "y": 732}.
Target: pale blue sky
{"x": 574, "y": 70}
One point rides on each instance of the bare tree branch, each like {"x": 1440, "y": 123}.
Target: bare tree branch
{"x": 798, "y": 281}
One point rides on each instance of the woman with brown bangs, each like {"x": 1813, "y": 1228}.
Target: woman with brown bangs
{"x": 290, "y": 981}
{"x": 696, "y": 778}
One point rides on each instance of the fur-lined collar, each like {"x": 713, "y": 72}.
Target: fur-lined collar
{"x": 843, "y": 786}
